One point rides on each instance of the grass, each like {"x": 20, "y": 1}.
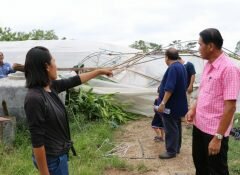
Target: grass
{"x": 88, "y": 137}
{"x": 17, "y": 160}
{"x": 93, "y": 119}
{"x": 234, "y": 156}
{"x": 142, "y": 168}
{"x": 234, "y": 150}
{"x": 87, "y": 143}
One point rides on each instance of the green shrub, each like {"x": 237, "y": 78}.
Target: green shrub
{"x": 86, "y": 105}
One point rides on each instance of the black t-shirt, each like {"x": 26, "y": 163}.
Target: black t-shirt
{"x": 190, "y": 71}
{"x": 47, "y": 116}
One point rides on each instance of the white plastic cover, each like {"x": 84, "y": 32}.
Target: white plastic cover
{"x": 134, "y": 84}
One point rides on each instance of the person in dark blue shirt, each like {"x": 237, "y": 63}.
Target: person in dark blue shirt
{"x": 190, "y": 78}
{"x": 173, "y": 102}
{"x": 5, "y": 68}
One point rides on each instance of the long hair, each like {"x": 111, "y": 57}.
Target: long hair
{"x": 36, "y": 61}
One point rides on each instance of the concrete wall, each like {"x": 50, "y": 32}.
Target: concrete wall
{"x": 13, "y": 91}
{"x": 7, "y": 130}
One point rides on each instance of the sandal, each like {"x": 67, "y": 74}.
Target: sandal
{"x": 158, "y": 139}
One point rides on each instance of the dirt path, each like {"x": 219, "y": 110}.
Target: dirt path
{"x": 142, "y": 152}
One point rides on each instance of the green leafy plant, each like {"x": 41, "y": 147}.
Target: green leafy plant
{"x": 86, "y": 105}
{"x": 237, "y": 120}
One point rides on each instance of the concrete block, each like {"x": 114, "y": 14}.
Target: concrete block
{"x": 13, "y": 92}
{"x": 7, "y": 130}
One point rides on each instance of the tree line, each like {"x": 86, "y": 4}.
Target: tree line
{"x": 6, "y": 34}
{"x": 178, "y": 44}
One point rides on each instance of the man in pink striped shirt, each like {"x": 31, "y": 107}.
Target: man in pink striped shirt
{"x": 212, "y": 114}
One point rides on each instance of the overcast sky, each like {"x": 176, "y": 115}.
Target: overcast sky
{"x": 124, "y": 21}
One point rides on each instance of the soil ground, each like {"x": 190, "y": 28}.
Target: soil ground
{"x": 137, "y": 147}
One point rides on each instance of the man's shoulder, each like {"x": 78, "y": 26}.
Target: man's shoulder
{"x": 174, "y": 68}
{"x": 227, "y": 63}
{"x": 176, "y": 64}
{"x": 228, "y": 60}
{"x": 189, "y": 64}
{"x": 7, "y": 64}
{"x": 179, "y": 66}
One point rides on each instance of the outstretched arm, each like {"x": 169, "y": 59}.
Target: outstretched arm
{"x": 64, "y": 84}
{"x": 18, "y": 67}
{"x": 89, "y": 75}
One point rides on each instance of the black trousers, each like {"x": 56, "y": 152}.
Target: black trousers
{"x": 205, "y": 164}
{"x": 173, "y": 133}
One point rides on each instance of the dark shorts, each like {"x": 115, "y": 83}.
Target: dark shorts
{"x": 157, "y": 121}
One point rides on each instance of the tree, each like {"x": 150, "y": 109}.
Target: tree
{"x": 177, "y": 44}
{"x": 183, "y": 46}
{"x": 190, "y": 45}
{"x": 43, "y": 35}
{"x": 139, "y": 45}
{"x": 6, "y": 34}
{"x": 146, "y": 46}
{"x": 155, "y": 46}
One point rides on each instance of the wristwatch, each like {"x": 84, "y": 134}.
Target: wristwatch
{"x": 219, "y": 136}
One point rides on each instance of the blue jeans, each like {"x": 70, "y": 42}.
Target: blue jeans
{"x": 56, "y": 165}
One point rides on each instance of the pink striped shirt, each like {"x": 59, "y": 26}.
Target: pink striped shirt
{"x": 220, "y": 81}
